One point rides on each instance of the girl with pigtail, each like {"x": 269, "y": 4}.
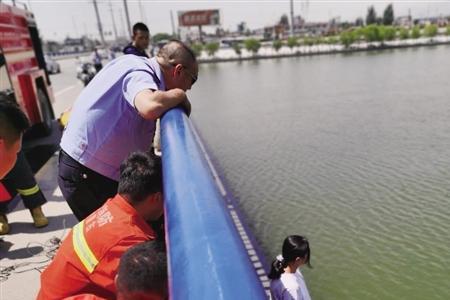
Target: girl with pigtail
{"x": 287, "y": 282}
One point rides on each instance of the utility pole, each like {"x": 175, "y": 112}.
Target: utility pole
{"x": 114, "y": 22}
{"x": 173, "y": 23}
{"x": 100, "y": 28}
{"x": 292, "y": 17}
{"x": 127, "y": 17}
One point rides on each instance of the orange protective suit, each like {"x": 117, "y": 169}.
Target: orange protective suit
{"x": 88, "y": 259}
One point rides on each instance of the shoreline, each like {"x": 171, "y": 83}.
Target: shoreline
{"x": 336, "y": 50}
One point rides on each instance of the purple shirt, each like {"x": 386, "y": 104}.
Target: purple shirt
{"x": 104, "y": 126}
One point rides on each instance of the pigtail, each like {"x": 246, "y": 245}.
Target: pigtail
{"x": 277, "y": 267}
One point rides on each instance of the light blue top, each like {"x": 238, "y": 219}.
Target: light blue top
{"x": 104, "y": 125}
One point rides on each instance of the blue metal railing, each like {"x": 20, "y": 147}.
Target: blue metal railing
{"x": 207, "y": 259}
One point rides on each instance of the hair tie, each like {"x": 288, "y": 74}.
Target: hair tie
{"x": 280, "y": 258}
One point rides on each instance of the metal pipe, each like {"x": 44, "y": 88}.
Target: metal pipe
{"x": 207, "y": 259}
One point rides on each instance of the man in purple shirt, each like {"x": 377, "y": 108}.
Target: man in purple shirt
{"x": 141, "y": 39}
{"x": 114, "y": 116}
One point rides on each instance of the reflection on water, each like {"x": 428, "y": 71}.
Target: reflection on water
{"x": 352, "y": 151}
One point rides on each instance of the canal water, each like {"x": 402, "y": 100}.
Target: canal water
{"x": 352, "y": 151}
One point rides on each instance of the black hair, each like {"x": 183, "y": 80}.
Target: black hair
{"x": 143, "y": 268}
{"x": 13, "y": 121}
{"x": 175, "y": 51}
{"x": 140, "y": 26}
{"x": 293, "y": 246}
{"x": 140, "y": 176}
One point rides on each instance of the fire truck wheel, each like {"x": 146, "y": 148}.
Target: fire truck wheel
{"x": 45, "y": 128}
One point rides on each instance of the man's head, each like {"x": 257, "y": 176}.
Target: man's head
{"x": 142, "y": 273}
{"x": 13, "y": 123}
{"x": 141, "y": 36}
{"x": 179, "y": 65}
{"x": 141, "y": 184}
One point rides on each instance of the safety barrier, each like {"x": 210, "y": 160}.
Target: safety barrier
{"x": 207, "y": 258}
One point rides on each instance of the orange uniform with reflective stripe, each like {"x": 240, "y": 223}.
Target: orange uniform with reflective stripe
{"x": 88, "y": 258}
{"x": 85, "y": 297}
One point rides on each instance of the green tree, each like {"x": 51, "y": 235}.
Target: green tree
{"x": 292, "y": 42}
{"x": 389, "y": 33}
{"x": 211, "y": 48}
{"x": 403, "y": 33}
{"x": 160, "y": 37}
{"x": 319, "y": 40}
{"x": 371, "y": 17}
{"x": 308, "y": 41}
{"x": 359, "y": 33}
{"x": 284, "y": 21}
{"x": 332, "y": 40}
{"x": 197, "y": 48}
{"x": 388, "y": 15}
{"x": 415, "y": 34}
{"x": 252, "y": 45}
{"x": 347, "y": 38}
{"x": 277, "y": 44}
{"x": 237, "y": 48}
{"x": 448, "y": 30}
{"x": 372, "y": 33}
{"x": 430, "y": 30}
{"x": 359, "y": 22}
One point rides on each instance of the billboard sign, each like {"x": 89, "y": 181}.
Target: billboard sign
{"x": 199, "y": 17}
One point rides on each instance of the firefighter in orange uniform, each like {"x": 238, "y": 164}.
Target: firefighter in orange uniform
{"x": 88, "y": 258}
{"x": 142, "y": 274}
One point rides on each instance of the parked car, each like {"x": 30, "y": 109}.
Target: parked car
{"x": 52, "y": 66}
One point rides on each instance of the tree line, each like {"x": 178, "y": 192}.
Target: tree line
{"x": 370, "y": 33}
{"x": 377, "y": 29}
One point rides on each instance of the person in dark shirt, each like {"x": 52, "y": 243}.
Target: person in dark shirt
{"x": 141, "y": 40}
{"x": 97, "y": 60}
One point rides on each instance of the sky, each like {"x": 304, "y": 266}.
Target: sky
{"x": 58, "y": 19}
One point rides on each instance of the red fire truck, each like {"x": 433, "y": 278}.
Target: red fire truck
{"x": 23, "y": 73}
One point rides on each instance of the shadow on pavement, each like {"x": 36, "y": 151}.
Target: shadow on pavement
{"x": 54, "y": 223}
{"x": 23, "y": 252}
{"x": 4, "y": 246}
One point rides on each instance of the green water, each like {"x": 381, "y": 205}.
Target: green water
{"x": 352, "y": 151}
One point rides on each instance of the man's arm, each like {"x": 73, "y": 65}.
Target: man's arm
{"x": 152, "y": 104}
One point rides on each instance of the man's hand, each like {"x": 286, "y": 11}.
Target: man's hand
{"x": 152, "y": 104}
{"x": 186, "y": 106}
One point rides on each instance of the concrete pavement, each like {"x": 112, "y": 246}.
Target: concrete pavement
{"x": 26, "y": 250}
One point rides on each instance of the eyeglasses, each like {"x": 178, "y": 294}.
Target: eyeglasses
{"x": 193, "y": 77}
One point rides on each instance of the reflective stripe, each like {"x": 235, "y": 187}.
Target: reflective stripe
{"x": 28, "y": 192}
{"x": 82, "y": 249}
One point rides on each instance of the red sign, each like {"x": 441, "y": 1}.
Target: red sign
{"x": 199, "y": 17}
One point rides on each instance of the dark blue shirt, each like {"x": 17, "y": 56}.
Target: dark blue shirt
{"x": 130, "y": 49}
